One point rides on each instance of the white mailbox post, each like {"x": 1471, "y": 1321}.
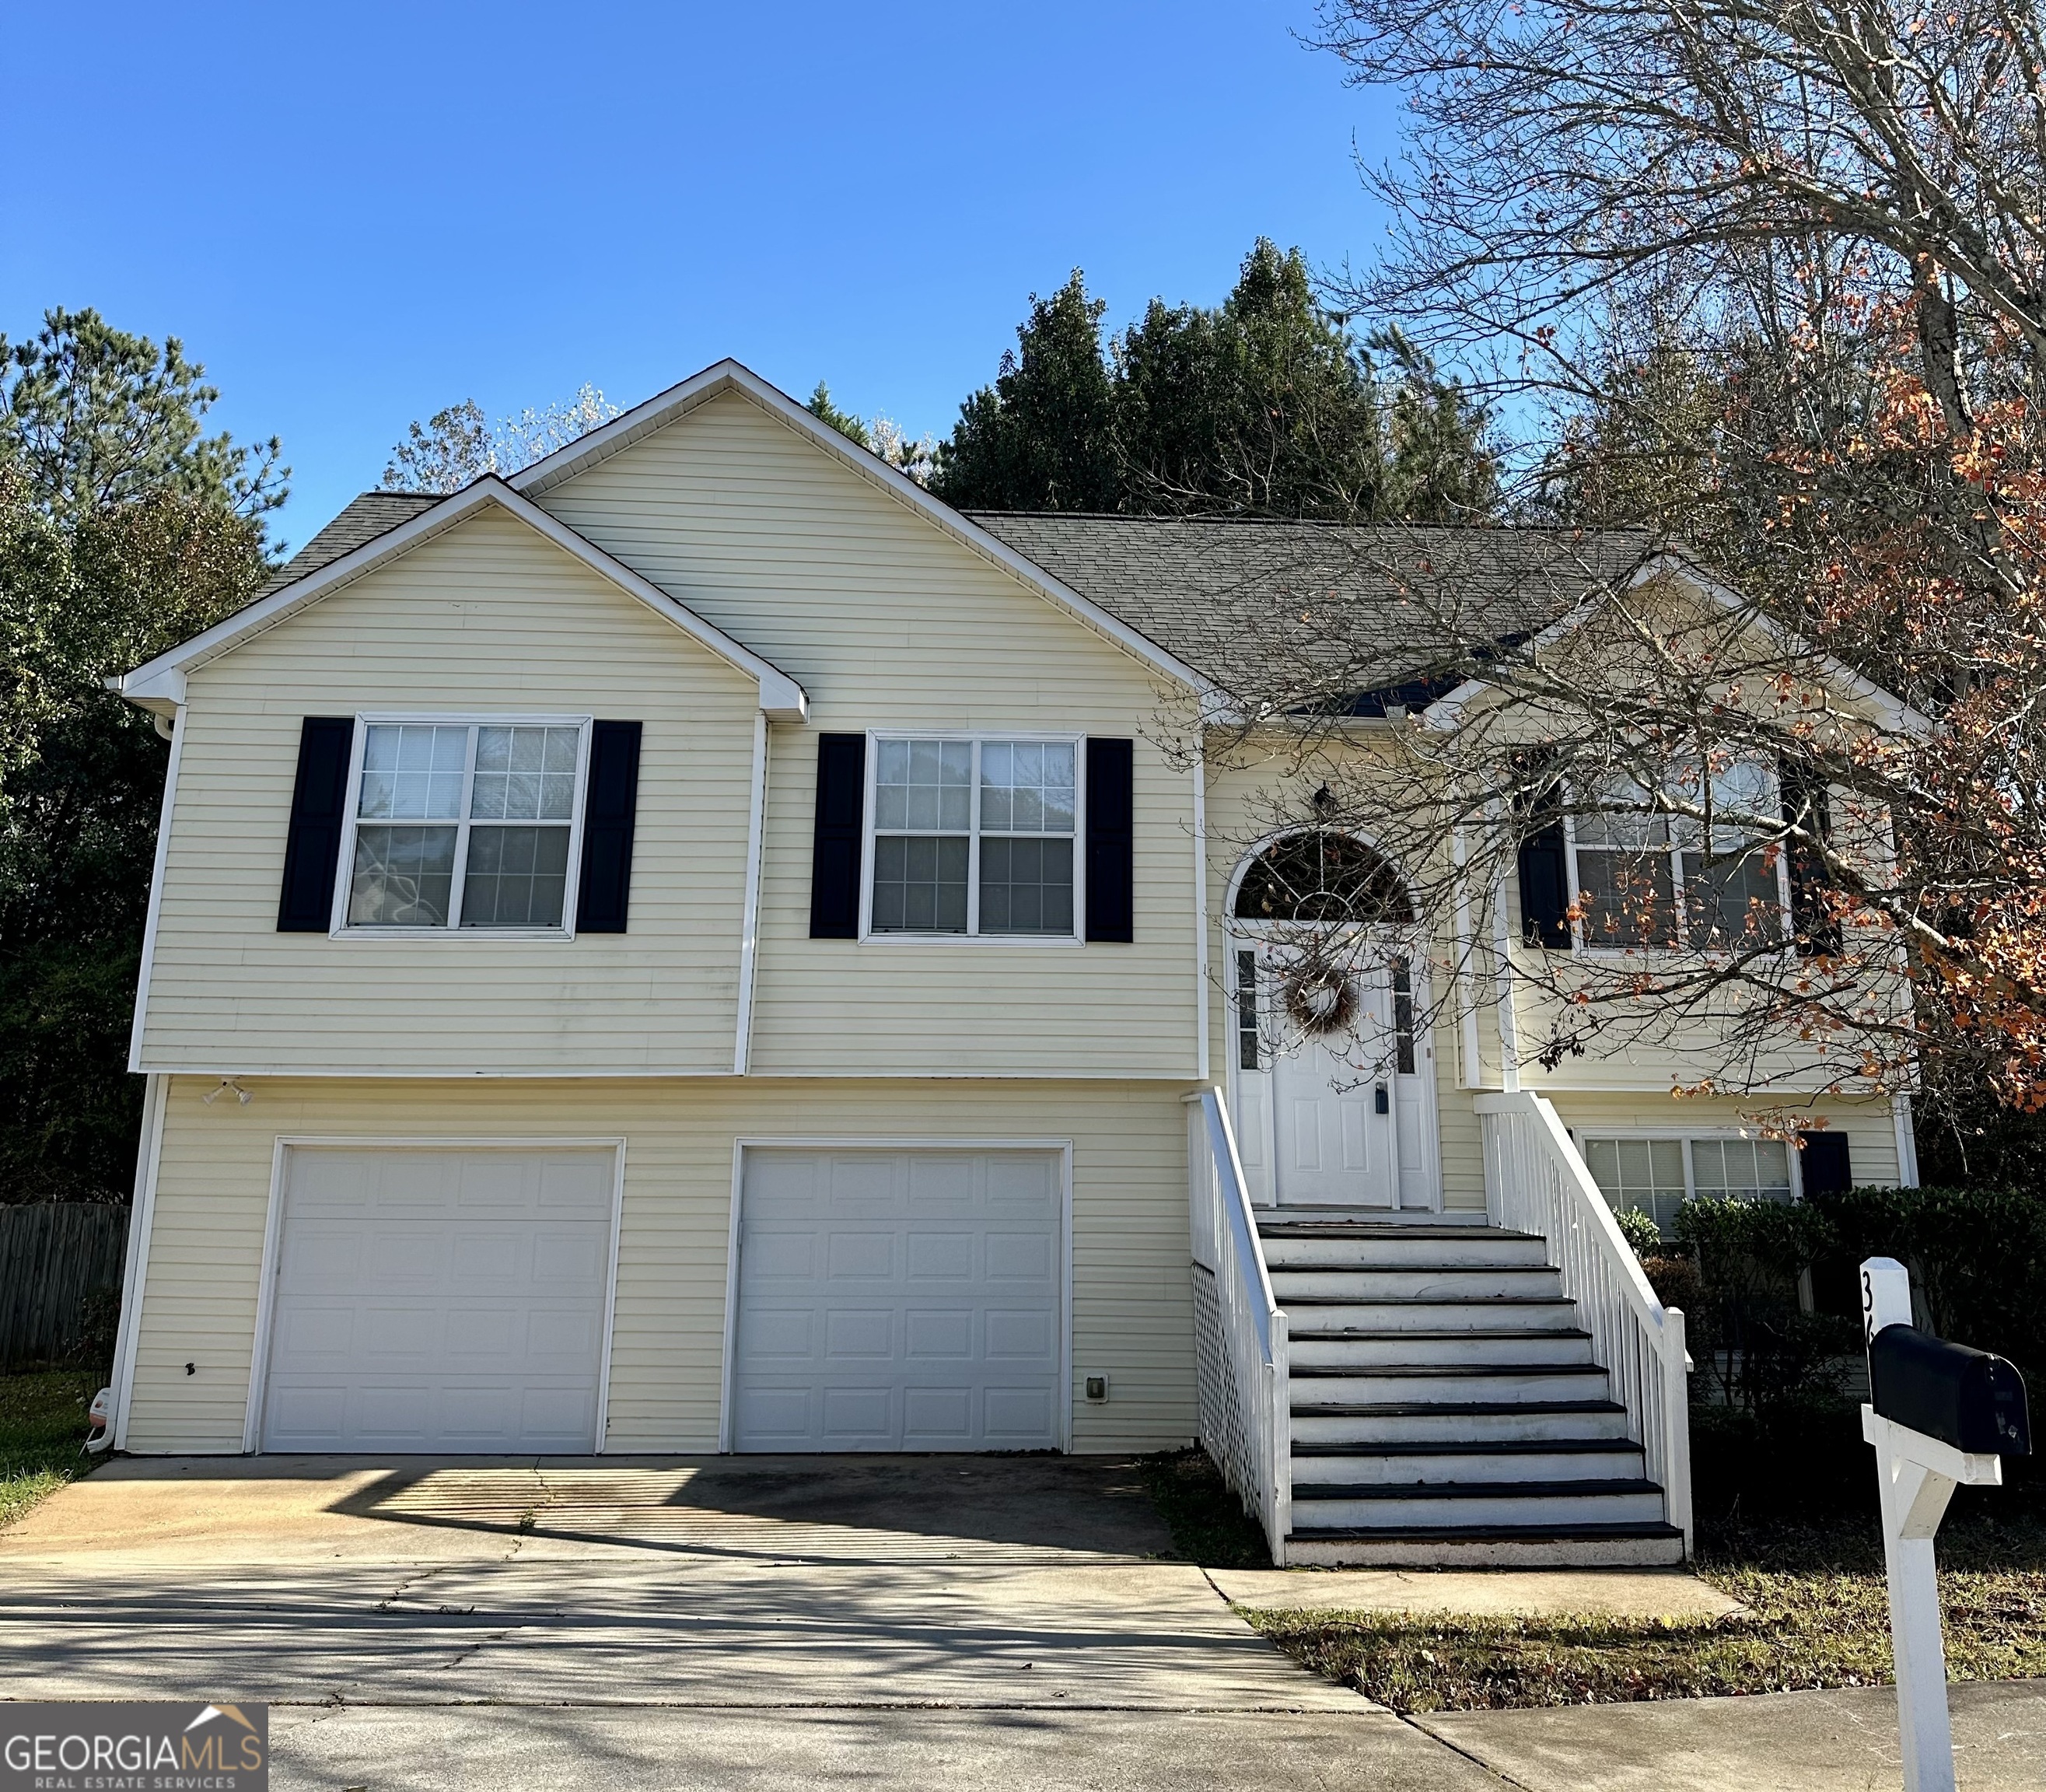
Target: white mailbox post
{"x": 1918, "y": 1475}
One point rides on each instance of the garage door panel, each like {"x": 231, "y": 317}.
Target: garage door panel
{"x": 1020, "y": 1257}
{"x": 930, "y": 1334}
{"x": 856, "y": 1335}
{"x": 1018, "y": 1416}
{"x": 941, "y": 1256}
{"x": 770, "y": 1333}
{"x": 860, "y": 1256}
{"x": 898, "y": 1299}
{"x": 444, "y": 1300}
{"x": 938, "y": 1419}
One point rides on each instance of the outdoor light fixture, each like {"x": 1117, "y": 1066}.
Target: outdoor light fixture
{"x": 244, "y": 1096}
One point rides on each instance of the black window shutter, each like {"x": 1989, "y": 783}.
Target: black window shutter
{"x": 1111, "y": 840}
{"x": 1823, "y": 1163}
{"x": 835, "y": 851}
{"x": 1807, "y": 803}
{"x": 1545, "y": 870}
{"x": 320, "y": 814}
{"x": 610, "y": 812}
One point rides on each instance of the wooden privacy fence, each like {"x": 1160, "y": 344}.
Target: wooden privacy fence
{"x": 52, "y": 1255}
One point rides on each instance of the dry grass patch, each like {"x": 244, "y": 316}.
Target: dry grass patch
{"x": 42, "y": 1424}
{"x": 1817, "y": 1616}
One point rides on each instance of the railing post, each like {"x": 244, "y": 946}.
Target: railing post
{"x": 1676, "y": 1426}
{"x": 1281, "y": 1435}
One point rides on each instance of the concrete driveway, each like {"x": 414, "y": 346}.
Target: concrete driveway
{"x": 759, "y": 1622}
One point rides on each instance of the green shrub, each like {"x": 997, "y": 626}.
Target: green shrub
{"x": 1640, "y": 1232}
{"x": 1977, "y": 1259}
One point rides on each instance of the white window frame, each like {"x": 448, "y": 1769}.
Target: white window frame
{"x": 1582, "y": 1136}
{"x": 973, "y": 936}
{"x": 340, "y": 928}
{"x": 1580, "y": 942}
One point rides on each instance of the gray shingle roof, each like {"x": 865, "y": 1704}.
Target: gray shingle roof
{"x": 1285, "y": 609}
{"x": 1276, "y": 611}
{"x": 365, "y": 517}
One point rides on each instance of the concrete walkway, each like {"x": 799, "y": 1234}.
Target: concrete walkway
{"x": 1010, "y": 1623}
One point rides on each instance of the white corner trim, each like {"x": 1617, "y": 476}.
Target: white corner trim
{"x": 1509, "y": 1019}
{"x": 1470, "y": 1066}
{"x": 155, "y": 893}
{"x": 1907, "y": 1142}
{"x": 149, "y": 1156}
{"x": 1201, "y": 1021}
{"x": 162, "y": 679}
{"x": 749, "y": 929}
{"x": 726, "y": 375}
{"x": 601, "y": 1441}
{"x": 266, "y": 1300}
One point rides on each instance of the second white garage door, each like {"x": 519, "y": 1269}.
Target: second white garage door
{"x": 900, "y": 1300}
{"x": 445, "y": 1300}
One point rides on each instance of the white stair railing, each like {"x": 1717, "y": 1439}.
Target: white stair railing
{"x": 1246, "y": 1414}
{"x": 1536, "y": 1180}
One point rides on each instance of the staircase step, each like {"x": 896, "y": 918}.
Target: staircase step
{"x": 1365, "y": 1426}
{"x": 1500, "y": 1546}
{"x": 1419, "y": 1281}
{"x": 1356, "y": 1247}
{"x": 1460, "y": 1505}
{"x": 1321, "y": 1347}
{"x": 1318, "y": 1466}
{"x": 1497, "y": 1312}
{"x": 1429, "y": 1383}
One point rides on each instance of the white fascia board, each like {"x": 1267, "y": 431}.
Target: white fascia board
{"x": 1895, "y": 711}
{"x": 726, "y": 375}
{"x": 1445, "y": 713}
{"x": 161, "y": 682}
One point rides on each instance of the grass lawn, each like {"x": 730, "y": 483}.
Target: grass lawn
{"x": 1816, "y": 1615}
{"x": 42, "y": 1423}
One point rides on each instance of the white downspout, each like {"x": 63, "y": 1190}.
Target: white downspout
{"x": 1201, "y": 1071}
{"x": 148, "y": 1157}
{"x": 749, "y": 929}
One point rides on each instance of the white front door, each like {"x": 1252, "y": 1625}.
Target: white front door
{"x": 1342, "y": 1119}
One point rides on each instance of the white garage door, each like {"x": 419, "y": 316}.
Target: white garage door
{"x": 442, "y": 1300}
{"x": 899, "y": 1301}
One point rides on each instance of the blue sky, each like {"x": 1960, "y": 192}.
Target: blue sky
{"x": 354, "y": 215}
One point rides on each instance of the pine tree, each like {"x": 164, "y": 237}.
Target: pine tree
{"x": 1043, "y": 436}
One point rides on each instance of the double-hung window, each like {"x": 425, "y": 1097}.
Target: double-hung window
{"x": 1652, "y": 877}
{"x": 1657, "y": 1174}
{"x": 464, "y": 825}
{"x": 974, "y": 838}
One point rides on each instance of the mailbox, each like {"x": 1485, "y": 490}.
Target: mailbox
{"x": 1966, "y": 1398}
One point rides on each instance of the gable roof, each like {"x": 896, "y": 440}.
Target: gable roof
{"x": 1251, "y": 601}
{"x": 357, "y": 547}
{"x": 363, "y": 519}
{"x": 728, "y": 376}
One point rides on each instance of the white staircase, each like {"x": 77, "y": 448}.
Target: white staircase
{"x": 1445, "y": 1406}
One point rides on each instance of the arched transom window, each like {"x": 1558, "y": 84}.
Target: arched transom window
{"x": 1319, "y": 874}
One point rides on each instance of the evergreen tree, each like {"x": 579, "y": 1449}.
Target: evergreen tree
{"x": 123, "y": 529}
{"x": 847, "y": 425}
{"x": 1043, "y": 436}
{"x": 1263, "y": 405}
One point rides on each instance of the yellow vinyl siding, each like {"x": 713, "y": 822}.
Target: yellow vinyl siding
{"x": 490, "y": 617}
{"x": 1132, "y": 1310}
{"x": 890, "y": 623}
